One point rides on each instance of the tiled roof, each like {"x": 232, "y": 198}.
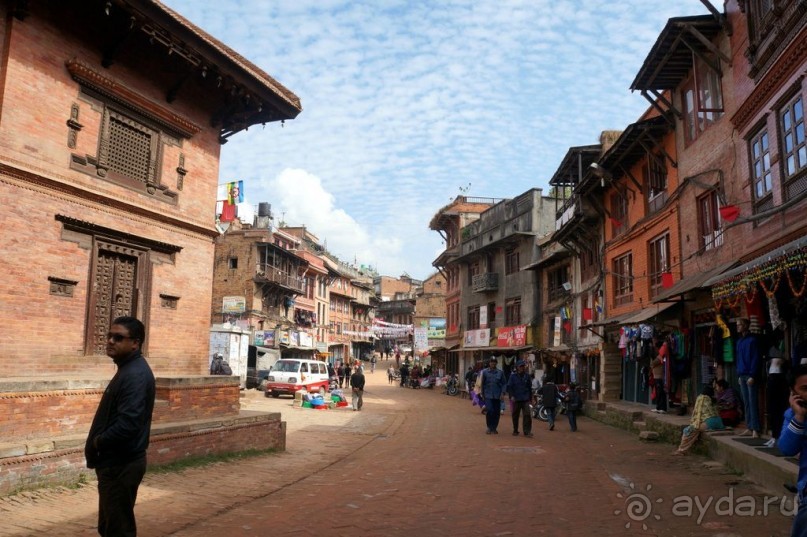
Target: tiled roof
{"x": 212, "y": 44}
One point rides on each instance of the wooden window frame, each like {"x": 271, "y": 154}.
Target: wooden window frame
{"x": 512, "y": 311}
{"x": 658, "y": 261}
{"x": 710, "y": 225}
{"x": 554, "y": 282}
{"x": 511, "y": 261}
{"x": 700, "y": 115}
{"x": 623, "y": 279}
{"x": 759, "y": 154}
{"x": 793, "y": 146}
{"x": 473, "y": 317}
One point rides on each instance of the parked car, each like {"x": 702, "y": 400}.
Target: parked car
{"x": 291, "y": 375}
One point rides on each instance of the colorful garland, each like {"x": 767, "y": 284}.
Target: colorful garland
{"x": 742, "y": 284}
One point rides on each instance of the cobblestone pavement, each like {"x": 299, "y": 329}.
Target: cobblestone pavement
{"x": 417, "y": 462}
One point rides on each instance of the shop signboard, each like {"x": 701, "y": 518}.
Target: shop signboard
{"x": 233, "y": 304}
{"x": 421, "y": 339}
{"x": 437, "y": 328}
{"x": 477, "y": 338}
{"x": 283, "y": 337}
{"x": 512, "y": 336}
{"x": 557, "y": 338}
{"x": 306, "y": 340}
{"x": 483, "y": 317}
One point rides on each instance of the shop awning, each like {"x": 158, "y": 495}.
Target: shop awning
{"x": 514, "y": 348}
{"x": 609, "y": 321}
{"x": 469, "y": 349}
{"x": 648, "y": 313}
{"x": 696, "y": 281}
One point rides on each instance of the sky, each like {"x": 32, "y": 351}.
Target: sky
{"x": 409, "y": 103}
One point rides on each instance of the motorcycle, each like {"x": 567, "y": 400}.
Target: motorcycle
{"x": 453, "y": 385}
{"x": 539, "y": 411}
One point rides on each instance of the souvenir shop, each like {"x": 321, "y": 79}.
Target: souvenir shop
{"x": 637, "y": 347}
{"x": 771, "y": 293}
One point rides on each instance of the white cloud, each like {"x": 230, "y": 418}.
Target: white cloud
{"x": 403, "y": 102}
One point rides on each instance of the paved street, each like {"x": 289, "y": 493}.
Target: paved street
{"x": 416, "y": 462}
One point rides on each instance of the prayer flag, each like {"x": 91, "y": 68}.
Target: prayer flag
{"x": 235, "y": 192}
{"x": 228, "y": 212}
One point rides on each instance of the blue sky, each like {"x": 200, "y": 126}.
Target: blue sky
{"x": 405, "y": 103}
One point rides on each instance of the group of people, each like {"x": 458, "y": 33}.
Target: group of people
{"x": 490, "y": 388}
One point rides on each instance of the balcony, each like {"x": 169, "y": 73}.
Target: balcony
{"x": 269, "y": 274}
{"x": 483, "y": 283}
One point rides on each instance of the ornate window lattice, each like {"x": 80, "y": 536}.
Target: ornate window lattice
{"x": 129, "y": 150}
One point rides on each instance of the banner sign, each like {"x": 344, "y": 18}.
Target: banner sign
{"x": 512, "y": 336}
{"x": 477, "y": 338}
{"x": 233, "y": 304}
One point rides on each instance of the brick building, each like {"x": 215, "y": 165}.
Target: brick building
{"x": 449, "y": 222}
{"x": 109, "y": 177}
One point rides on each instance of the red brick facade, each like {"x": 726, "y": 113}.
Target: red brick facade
{"x": 109, "y": 162}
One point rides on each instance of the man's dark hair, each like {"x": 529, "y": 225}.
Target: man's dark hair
{"x": 722, "y": 383}
{"x": 132, "y": 325}
{"x": 798, "y": 371}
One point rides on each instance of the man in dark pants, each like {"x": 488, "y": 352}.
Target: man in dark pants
{"x": 119, "y": 434}
{"x": 357, "y": 385}
{"x": 519, "y": 387}
{"x": 549, "y": 396}
{"x": 492, "y": 391}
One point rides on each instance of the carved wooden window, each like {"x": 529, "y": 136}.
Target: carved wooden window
{"x": 132, "y": 149}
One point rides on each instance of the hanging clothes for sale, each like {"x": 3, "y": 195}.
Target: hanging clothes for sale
{"x": 753, "y": 308}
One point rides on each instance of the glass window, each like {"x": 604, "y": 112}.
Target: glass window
{"x": 512, "y": 311}
{"x": 793, "y": 145}
{"x": 623, "y": 279}
{"x": 761, "y": 164}
{"x": 709, "y": 222}
{"x": 659, "y": 254}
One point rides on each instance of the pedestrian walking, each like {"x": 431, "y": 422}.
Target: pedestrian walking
{"x": 357, "y": 387}
{"x": 344, "y": 371}
{"x": 493, "y": 385}
{"x": 519, "y": 388}
{"x": 119, "y": 435}
{"x": 574, "y": 402}
{"x": 390, "y": 374}
{"x": 549, "y": 395}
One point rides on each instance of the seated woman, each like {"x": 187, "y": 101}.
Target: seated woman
{"x": 704, "y": 418}
{"x": 729, "y": 406}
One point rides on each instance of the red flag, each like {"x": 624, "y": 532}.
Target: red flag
{"x": 567, "y": 326}
{"x": 729, "y": 213}
{"x": 615, "y": 222}
{"x": 228, "y": 211}
{"x": 666, "y": 280}
{"x": 587, "y": 314}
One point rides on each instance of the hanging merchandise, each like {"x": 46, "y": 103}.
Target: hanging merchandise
{"x": 773, "y": 312}
{"x": 753, "y": 309}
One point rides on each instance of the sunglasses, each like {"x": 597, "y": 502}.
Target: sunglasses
{"x": 117, "y": 338}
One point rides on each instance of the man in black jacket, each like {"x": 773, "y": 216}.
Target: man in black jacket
{"x": 119, "y": 434}
{"x": 357, "y": 384}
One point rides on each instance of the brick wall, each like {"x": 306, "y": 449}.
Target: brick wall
{"x": 62, "y": 463}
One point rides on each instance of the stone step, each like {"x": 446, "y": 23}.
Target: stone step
{"x": 640, "y": 425}
{"x": 648, "y": 436}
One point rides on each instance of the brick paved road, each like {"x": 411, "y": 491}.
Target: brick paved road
{"x": 416, "y": 462}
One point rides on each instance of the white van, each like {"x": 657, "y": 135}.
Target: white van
{"x": 290, "y": 375}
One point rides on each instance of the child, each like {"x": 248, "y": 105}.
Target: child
{"x": 573, "y": 403}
